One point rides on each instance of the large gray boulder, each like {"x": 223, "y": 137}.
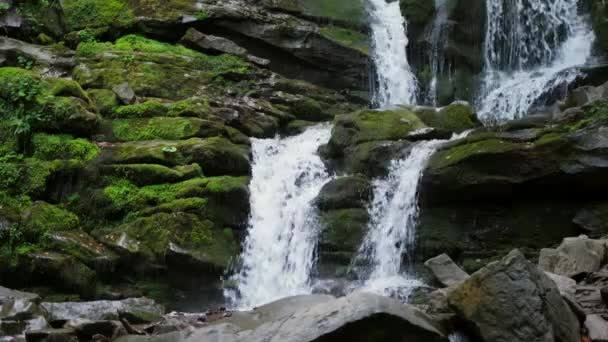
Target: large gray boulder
{"x": 20, "y": 312}
{"x": 356, "y": 317}
{"x": 513, "y": 300}
{"x": 574, "y": 256}
{"x": 445, "y": 270}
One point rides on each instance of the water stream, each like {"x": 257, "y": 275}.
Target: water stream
{"x": 436, "y": 36}
{"x": 531, "y": 49}
{"x": 278, "y": 254}
{"x": 396, "y": 82}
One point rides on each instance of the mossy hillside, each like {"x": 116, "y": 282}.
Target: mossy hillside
{"x": 149, "y": 66}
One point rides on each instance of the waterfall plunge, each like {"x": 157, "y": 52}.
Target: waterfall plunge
{"x": 532, "y": 47}
{"x": 278, "y": 254}
{"x": 396, "y": 82}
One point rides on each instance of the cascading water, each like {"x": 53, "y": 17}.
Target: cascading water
{"x": 392, "y": 229}
{"x": 278, "y": 254}
{"x": 436, "y": 36}
{"x": 531, "y": 49}
{"x": 396, "y": 82}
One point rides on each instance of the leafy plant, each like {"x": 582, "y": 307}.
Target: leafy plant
{"x": 201, "y": 15}
{"x": 25, "y": 63}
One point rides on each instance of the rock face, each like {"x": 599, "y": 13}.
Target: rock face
{"x": 512, "y": 300}
{"x": 445, "y": 270}
{"x": 356, "y": 317}
{"x": 574, "y": 256}
{"x": 105, "y": 310}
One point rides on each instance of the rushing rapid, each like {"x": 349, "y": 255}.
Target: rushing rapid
{"x": 396, "y": 81}
{"x": 532, "y": 48}
{"x": 278, "y": 254}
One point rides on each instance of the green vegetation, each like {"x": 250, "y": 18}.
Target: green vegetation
{"x": 458, "y": 153}
{"x": 147, "y": 109}
{"x": 347, "y": 37}
{"x": 82, "y": 14}
{"x": 63, "y": 146}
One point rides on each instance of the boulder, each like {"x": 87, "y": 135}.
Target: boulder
{"x": 456, "y": 117}
{"x": 51, "y": 335}
{"x": 445, "y": 270}
{"x": 513, "y": 300}
{"x": 124, "y": 92}
{"x": 574, "y": 256}
{"x": 345, "y": 192}
{"x": 356, "y": 317}
{"x": 19, "y": 312}
{"x": 104, "y": 310}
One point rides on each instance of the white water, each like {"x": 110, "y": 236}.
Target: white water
{"x": 437, "y": 37}
{"x": 531, "y": 49}
{"x": 396, "y": 82}
{"x": 278, "y": 253}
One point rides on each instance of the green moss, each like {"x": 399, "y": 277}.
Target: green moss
{"x": 148, "y": 174}
{"x": 347, "y": 37}
{"x": 458, "y": 153}
{"x": 149, "y": 66}
{"x": 455, "y": 117}
{"x": 105, "y": 101}
{"x": 97, "y": 13}
{"x": 310, "y": 110}
{"x": 66, "y": 87}
{"x": 193, "y": 107}
{"x": 147, "y": 109}
{"x": 343, "y": 10}
{"x": 43, "y": 219}
{"x": 51, "y": 147}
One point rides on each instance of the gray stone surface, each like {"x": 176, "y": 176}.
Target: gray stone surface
{"x": 574, "y": 256}
{"x": 445, "y": 270}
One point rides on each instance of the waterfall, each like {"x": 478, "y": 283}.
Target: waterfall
{"x": 278, "y": 255}
{"x": 392, "y": 229}
{"x": 531, "y": 49}
{"x": 436, "y": 36}
{"x": 396, "y": 82}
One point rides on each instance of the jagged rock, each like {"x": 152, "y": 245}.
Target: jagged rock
{"x": 585, "y": 95}
{"x": 566, "y": 286}
{"x": 445, "y": 270}
{"x": 19, "y": 312}
{"x": 513, "y": 300}
{"x": 356, "y": 317}
{"x": 574, "y": 256}
{"x": 124, "y": 93}
{"x": 597, "y": 327}
{"x": 103, "y": 310}
{"x": 211, "y": 44}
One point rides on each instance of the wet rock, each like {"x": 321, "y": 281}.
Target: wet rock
{"x": 587, "y": 94}
{"x": 104, "y": 310}
{"x": 344, "y": 192}
{"x": 593, "y": 219}
{"x": 445, "y": 270}
{"x": 456, "y": 117}
{"x": 57, "y": 62}
{"x": 124, "y": 93}
{"x": 20, "y": 311}
{"x": 574, "y": 256}
{"x": 489, "y": 299}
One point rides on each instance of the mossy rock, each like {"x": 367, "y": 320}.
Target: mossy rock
{"x": 348, "y": 37}
{"x": 216, "y": 156}
{"x": 348, "y": 11}
{"x": 158, "y": 231}
{"x": 169, "y": 128}
{"x": 367, "y": 126}
{"x": 342, "y": 232}
{"x": 87, "y": 250}
{"x": 66, "y": 87}
{"x": 82, "y": 14}
{"x": 104, "y": 101}
{"x": 148, "y": 174}
{"x": 43, "y": 219}
{"x": 147, "y": 109}
{"x": 148, "y": 66}
{"x": 456, "y": 117}
{"x": 344, "y": 192}
{"x": 63, "y": 146}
